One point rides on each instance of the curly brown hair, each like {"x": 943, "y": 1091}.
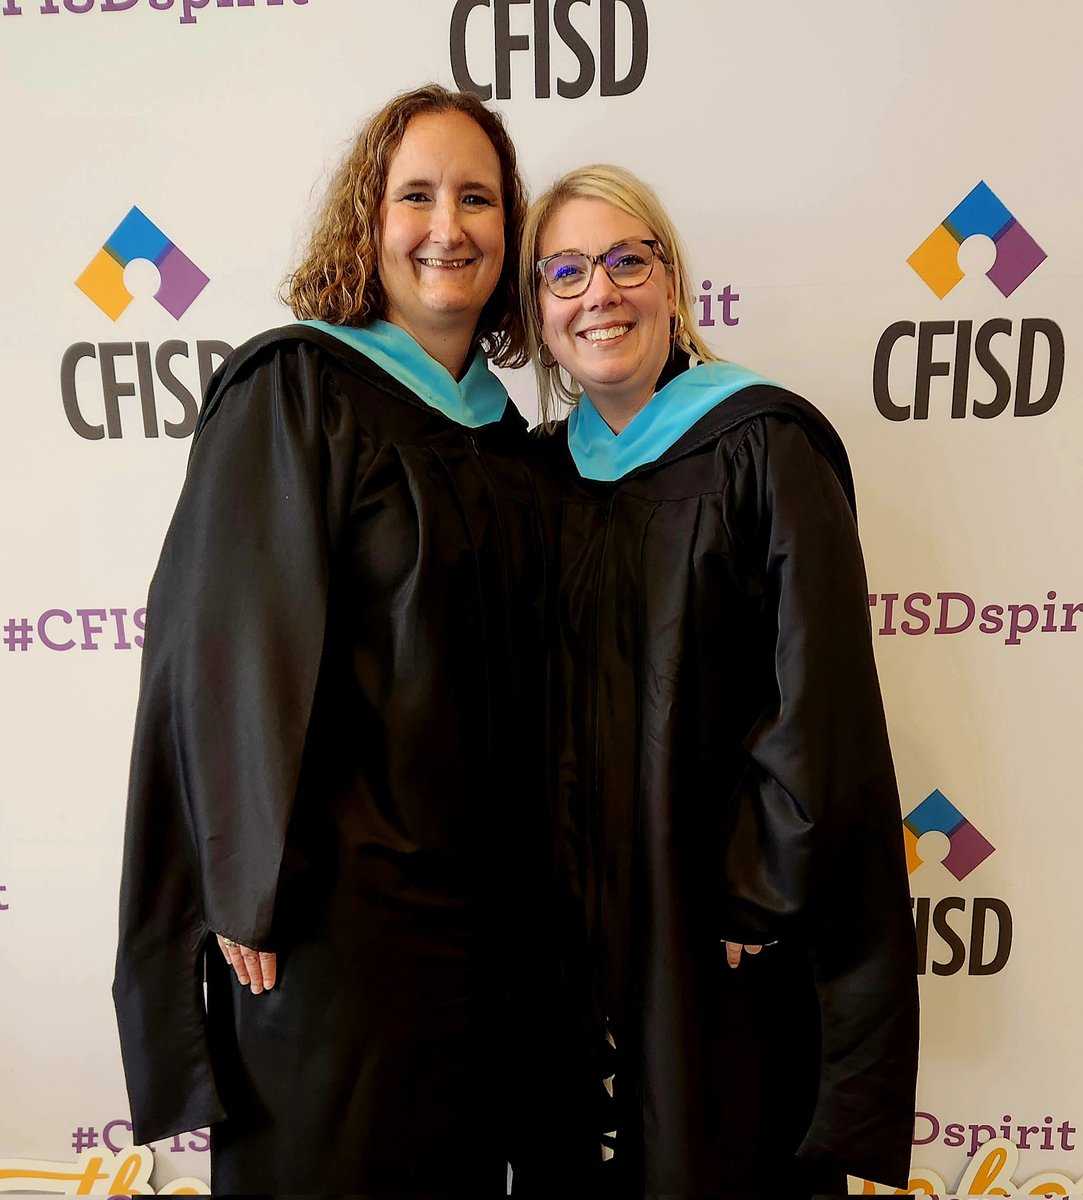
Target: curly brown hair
{"x": 337, "y": 280}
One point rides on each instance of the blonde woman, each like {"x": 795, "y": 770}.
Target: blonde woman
{"x": 724, "y": 771}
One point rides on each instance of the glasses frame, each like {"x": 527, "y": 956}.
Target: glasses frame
{"x": 598, "y": 260}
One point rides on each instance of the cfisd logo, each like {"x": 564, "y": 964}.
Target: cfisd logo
{"x": 982, "y": 949}
{"x": 135, "y": 238}
{"x": 87, "y": 393}
{"x": 1040, "y": 342}
{"x": 597, "y": 50}
{"x": 937, "y": 814}
{"x": 1018, "y": 255}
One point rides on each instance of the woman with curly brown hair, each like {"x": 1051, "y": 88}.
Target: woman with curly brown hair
{"x": 343, "y": 629}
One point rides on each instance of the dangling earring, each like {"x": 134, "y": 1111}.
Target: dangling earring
{"x": 543, "y": 350}
{"x": 678, "y": 329}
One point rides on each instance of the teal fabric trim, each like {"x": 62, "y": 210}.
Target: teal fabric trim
{"x": 479, "y": 399}
{"x": 601, "y": 454}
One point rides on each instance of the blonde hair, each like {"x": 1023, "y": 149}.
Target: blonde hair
{"x": 337, "y": 280}
{"x": 600, "y": 181}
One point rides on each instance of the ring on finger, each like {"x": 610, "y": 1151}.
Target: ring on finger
{"x": 230, "y": 943}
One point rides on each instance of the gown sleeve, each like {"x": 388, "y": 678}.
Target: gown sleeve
{"x": 235, "y": 632}
{"x": 816, "y": 848}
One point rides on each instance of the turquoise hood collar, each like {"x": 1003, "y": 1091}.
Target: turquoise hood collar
{"x": 601, "y": 454}
{"x": 479, "y": 399}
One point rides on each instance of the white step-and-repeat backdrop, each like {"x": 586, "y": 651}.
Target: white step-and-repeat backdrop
{"x": 882, "y": 204}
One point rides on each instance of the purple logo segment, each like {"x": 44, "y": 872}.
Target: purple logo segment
{"x": 137, "y": 237}
{"x": 1018, "y": 255}
{"x": 937, "y": 814}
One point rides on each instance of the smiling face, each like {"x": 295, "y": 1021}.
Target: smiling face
{"x": 441, "y": 242}
{"x": 613, "y": 341}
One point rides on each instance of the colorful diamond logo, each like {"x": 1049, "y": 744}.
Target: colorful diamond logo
{"x": 968, "y": 848}
{"x": 1018, "y": 255}
{"x": 137, "y": 237}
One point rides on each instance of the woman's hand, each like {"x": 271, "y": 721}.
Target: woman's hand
{"x": 254, "y": 968}
{"x": 733, "y": 952}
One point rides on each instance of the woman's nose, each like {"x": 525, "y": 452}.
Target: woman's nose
{"x": 601, "y": 292}
{"x": 447, "y": 226}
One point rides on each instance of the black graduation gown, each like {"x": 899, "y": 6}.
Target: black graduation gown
{"x": 331, "y": 762}
{"x": 723, "y": 772}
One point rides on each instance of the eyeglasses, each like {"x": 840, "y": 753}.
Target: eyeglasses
{"x": 628, "y": 265}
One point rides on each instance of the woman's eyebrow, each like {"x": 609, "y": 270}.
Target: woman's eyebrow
{"x": 576, "y": 250}
{"x": 476, "y": 185}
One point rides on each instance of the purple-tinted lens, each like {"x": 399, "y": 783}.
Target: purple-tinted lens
{"x": 629, "y": 263}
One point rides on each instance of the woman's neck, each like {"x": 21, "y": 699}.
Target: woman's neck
{"x": 617, "y": 410}
{"x": 450, "y": 347}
